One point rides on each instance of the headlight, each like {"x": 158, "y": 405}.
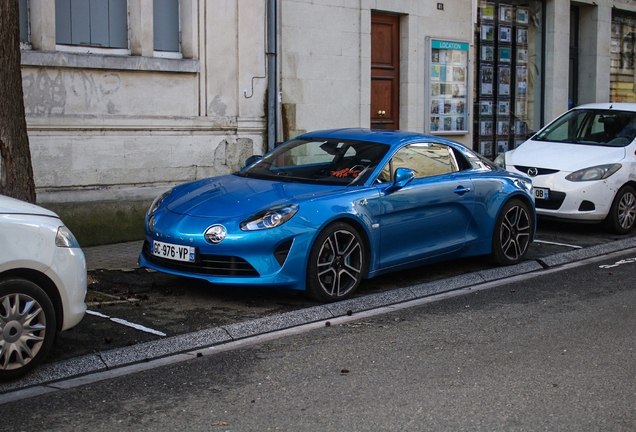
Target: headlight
{"x": 270, "y": 218}
{"x": 157, "y": 202}
{"x": 500, "y": 160}
{"x": 599, "y": 172}
{"x": 65, "y": 238}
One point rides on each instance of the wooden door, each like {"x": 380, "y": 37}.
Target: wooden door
{"x": 385, "y": 71}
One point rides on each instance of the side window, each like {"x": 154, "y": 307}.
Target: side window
{"x": 165, "y": 16}
{"x": 100, "y": 23}
{"x": 425, "y": 159}
{"x": 24, "y": 21}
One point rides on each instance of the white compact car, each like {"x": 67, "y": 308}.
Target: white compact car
{"x": 42, "y": 284}
{"x": 583, "y": 165}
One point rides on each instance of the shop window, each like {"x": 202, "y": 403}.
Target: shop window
{"x": 508, "y": 103}
{"x": 166, "y": 25}
{"x": 622, "y": 52}
{"x": 24, "y": 21}
{"x": 97, "y": 23}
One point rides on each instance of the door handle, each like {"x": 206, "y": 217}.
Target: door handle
{"x": 381, "y": 113}
{"x": 460, "y": 190}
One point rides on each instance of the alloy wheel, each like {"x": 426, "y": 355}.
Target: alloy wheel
{"x": 627, "y": 210}
{"x": 22, "y": 327}
{"x": 515, "y": 232}
{"x": 340, "y": 263}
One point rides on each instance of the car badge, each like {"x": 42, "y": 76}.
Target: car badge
{"x": 532, "y": 172}
{"x": 215, "y": 234}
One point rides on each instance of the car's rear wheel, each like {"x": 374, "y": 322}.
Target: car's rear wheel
{"x": 336, "y": 263}
{"x": 622, "y": 214}
{"x": 513, "y": 233}
{"x": 27, "y": 327}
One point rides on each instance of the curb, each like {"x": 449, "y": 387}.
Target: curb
{"x": 180, "y": 344}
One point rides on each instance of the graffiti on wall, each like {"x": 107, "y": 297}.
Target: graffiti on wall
{"x": 59, "y": 93}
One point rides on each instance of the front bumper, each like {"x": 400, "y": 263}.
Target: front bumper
{"x": 256, "y": 259}
{"x": 582, "y": 201}
{"x": 68, "y": 272}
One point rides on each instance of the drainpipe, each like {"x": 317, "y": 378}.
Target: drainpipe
{"x": 272, "y": 75}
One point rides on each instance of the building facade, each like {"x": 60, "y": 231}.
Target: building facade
{"x": 125, "y": 98}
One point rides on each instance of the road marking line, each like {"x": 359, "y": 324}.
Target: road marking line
{"x": 126, "y": 323}
{"x": 558, "y": 244}
{"x": 617, "y": 263}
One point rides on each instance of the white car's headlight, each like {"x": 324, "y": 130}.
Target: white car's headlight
{"x": 599, "y": 172}
{"x": 269, "y": 218}
{"x": 65, "y": 238}
{"x": 500, "y": 160}
{"x": 157, "y": 202}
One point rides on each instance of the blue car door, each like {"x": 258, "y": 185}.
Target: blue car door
{"x": 430, "y": 215}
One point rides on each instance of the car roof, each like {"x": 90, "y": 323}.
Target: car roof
{"x": 618, "y": 106}
{"x": 390, "y": 137}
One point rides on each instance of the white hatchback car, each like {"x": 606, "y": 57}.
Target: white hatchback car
{"x": 42, "y": 284}
{"x": 583, "y": 165}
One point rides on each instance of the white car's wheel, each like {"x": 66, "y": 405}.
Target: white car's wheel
{"x": 27, "y": 326}
{"x": 622, "y": 214}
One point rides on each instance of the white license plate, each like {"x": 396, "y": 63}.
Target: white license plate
{"x": 173, "y": 252}
{"x": 541, "y": 193}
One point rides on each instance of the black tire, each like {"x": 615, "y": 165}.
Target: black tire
{"x": 28, "y": 327}
{"x": 337, "y": 263}
{"x": 513, "y": 232}
{"x": 622, "y": 214}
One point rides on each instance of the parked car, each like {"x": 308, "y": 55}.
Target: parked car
{"x": 42, "y": 284}
{"x": 327, "y": 209}
{"x": 583, "y": 165}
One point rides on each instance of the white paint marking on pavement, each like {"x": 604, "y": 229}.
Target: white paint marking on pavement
{"x": 127, "y": 323}
{"x": 558, "y": 244}
{"x": 101, "y": 315}
{"x": 617, "y": 263}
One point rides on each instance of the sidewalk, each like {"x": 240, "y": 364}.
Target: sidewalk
{"x": 118, "y": 256}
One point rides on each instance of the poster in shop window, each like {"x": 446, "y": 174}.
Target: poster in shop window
{"x": 505, "y": 34}
{"x": 522, "y": 56}
{"x": 504, "y": 81}
{"x": 488, "y": 11}
{"x": 505, "y": 13}
{"x": 486, "y": 78}
{"x": 503, "y": 108}
{"x": 448, "y": 86}
{"x": 522, "y": 15}
{"x": 487, "y": 53}
{"x": 522, "y": 81}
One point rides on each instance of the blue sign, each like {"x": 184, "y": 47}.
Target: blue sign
{"x": 449, "y": 45}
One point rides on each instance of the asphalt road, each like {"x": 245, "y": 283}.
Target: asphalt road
{"x": 542, "y": 351}
{"x": 167, "y": 306}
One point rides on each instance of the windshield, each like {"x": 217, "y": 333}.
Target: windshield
{"x": 330, "y": 162}
{"x": 592, "y": 127}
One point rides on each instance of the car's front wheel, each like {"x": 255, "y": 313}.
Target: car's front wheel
{"x": 27, "y": 326}
{"x": 336, "y": 263}
{"x": 513, "y": 233}
{"x": 622, "y": 214}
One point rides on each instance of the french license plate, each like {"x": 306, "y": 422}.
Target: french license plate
{"x": 173, "y": 252}
{"x": 541, "y": 193}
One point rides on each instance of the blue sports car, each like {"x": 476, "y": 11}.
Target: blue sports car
{"x": 330, "y": 208}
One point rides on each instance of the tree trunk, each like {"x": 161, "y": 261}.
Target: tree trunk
{"x": 16, "y": 171}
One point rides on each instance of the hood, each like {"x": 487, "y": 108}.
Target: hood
{"x": 10, "y": 205}
{"x": 233, "y": 195}
{"x": 563, "y": 157}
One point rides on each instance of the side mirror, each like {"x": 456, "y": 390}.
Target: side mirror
{"x": 250, "y": 160}
{"x": 403, "y": 176}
